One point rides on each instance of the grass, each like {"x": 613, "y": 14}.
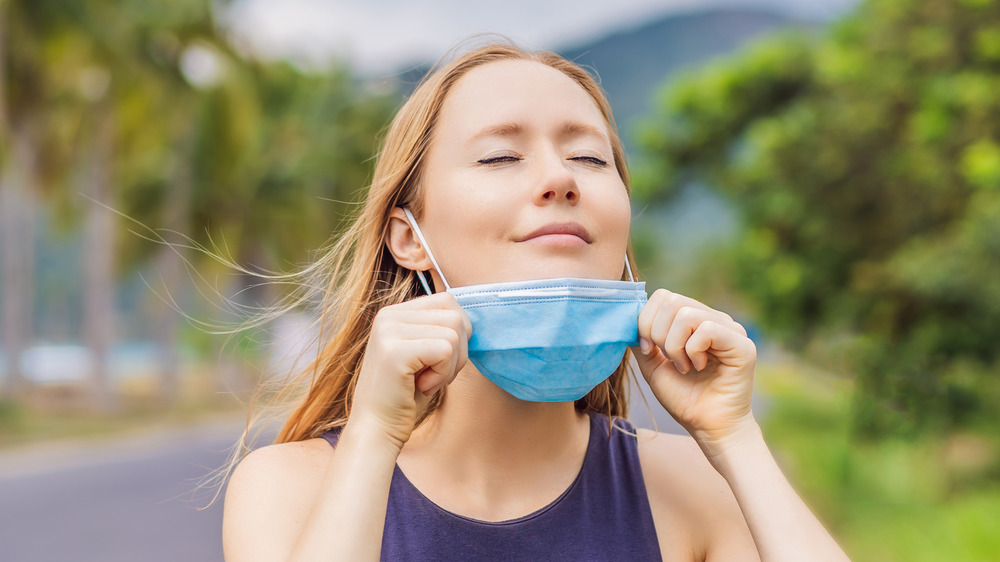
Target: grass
{"x": 932, "y": 498}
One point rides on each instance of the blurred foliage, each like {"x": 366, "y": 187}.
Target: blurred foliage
{"x": 164, "y": 150}
{"x": 264, "y": 157}
{"x": 273, "y": 159}
{"x": 866, "y": 165}
{"x": 931, "y": 498}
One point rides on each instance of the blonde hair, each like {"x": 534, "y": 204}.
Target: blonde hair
{"x": 360, "y": 277}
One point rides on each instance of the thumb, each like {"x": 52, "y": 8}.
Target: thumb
{"x": 650, "y": 358}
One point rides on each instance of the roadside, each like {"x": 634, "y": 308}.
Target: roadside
{"x": 121, "y": 446}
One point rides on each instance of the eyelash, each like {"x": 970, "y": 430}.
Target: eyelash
{"x": 498, "y": 160}
{"x": 501, "y": 159}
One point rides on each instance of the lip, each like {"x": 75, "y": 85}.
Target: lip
{"x": 558, "y": 230}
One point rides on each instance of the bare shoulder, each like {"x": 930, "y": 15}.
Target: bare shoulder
{"x": 270, "y": 494}
{"x": 677, "y": 472}
{"x": 675, "y": 460}
{"x": 281, "y": 460}
{"x": 695, "y": 512}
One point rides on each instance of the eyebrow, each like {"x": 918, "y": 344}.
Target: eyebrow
{"x": 513, "y": 129}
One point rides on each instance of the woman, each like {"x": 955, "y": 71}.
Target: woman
{"x": 505, "y": 167}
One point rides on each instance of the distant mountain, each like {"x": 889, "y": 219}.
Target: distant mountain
{"x": 634, "y": 63}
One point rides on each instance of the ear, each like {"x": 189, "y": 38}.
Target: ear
{"x": 403, "y": 243}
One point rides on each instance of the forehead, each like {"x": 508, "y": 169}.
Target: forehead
{"x": 513, "y": 91}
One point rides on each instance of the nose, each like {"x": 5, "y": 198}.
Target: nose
{"x": 556, "y": 183}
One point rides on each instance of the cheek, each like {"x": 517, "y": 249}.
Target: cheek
{"x": 617, "y": 210}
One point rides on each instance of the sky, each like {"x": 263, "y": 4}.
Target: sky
{"x": 381, "y": 37}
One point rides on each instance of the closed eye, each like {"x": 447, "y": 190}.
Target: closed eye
{"x": 498, "y": 160}
{"x": 591, "y": 159}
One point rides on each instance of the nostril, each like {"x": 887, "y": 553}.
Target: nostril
{"x": 571, "y": 195}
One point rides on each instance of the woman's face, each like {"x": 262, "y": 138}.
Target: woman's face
{"x": 520, "y": 181}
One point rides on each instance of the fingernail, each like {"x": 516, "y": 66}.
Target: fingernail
{"x": 644, "y": 346}
{"x": 680, "y": 368}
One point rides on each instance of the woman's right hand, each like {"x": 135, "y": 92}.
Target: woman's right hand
{"x": 415, "y": 349}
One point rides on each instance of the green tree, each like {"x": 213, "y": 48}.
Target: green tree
{"x": 269, "y": 161}
{"x": 867, "y": 168}
{"x": 36, "y": 128}
{"x": 122, "y": 123}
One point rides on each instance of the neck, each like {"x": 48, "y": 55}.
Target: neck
{"x": 487, "y": 455}
{"x": 481, "y": 430}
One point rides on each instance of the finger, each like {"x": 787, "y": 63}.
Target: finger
{"x": 663, "y": 302}
{"x": 417, "y": 325}
{"x": 672, "y": 334}
{"x": 433, "y": 380}
{"x": 427, "y": 332}
{"x": 685, "y": 322}
{"x": 663, "y": 316}
{"x": 448, "y": 314}
{"x": 651, "y": 361}
{"x": 723, "y": 342}
{"x": 449, "y": 302}
{"x": 465, "y": 320}
{"x": 646, "y": 317}
{"x": 426, "y": 356}
{"x": 658, "y": 315}
{"x": 454, "y": 319}
{"x": 677, "y": 300}
{"x": 437, "y": 300}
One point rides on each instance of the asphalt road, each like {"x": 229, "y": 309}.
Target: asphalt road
{"x": 132, "y": 499}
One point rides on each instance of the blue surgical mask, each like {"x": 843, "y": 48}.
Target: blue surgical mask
{"x": 550, "y": 340}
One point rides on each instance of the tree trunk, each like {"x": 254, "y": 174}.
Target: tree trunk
{"x": 98, "y": 260}
{"x": 230, "y": 377}
{"x": 166, "y": 324}
{"x": 17, "y": 265}
{"x": 170, "y": 265}
{"x": 16, "y": 239}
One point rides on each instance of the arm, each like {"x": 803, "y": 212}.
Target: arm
{"x": 304, "y": 502}
{"x": 700, "y": 363}
{"x": 297, "y": 501}
{"x": 782, "y": 526}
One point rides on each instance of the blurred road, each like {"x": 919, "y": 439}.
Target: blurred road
{"x": 133, "y": 499}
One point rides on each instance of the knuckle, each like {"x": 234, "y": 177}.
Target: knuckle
{"x": 695, "y": 345}
{"x": 686, "y": 313}
{"x": 661, "y": 293}
{"x": 675, "y": 349}
{"x": 659, "y": 332}
{"x": 444, "y": 347}
{"x": 379, "y": 321}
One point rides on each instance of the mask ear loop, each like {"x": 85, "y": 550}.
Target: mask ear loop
{"x": 420, "y": 236}
{"x": 628, "y": 268}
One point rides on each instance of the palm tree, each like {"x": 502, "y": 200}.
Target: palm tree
{"x": 23, "y": 138}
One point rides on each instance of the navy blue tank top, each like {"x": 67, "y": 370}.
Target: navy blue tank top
{"x": 603, "y": 515}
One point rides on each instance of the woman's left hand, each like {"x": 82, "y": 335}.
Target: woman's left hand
{"x": 699, "y": 364}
